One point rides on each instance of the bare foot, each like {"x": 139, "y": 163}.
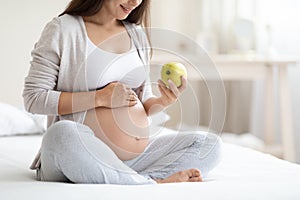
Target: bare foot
{"x": 191, "y": 175}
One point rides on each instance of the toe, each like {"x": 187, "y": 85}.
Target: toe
{"x": 195, "y": 172}
{"x": 195, "y": 179}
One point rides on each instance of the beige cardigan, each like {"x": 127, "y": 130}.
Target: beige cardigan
{"x": 59, "y": 64}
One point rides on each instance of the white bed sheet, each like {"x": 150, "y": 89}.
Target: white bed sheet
{"x": 242, "y": 174}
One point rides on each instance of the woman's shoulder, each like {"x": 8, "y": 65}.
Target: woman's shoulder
{"x": 68, "y": 22}
{"x": 64, "y": 22}
{"x": 66, "y": 18}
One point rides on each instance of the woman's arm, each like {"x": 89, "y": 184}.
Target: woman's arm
{"x": 76, "y": 102}
{"x": 39, "y": 94}
{"x": 114, "y": 95}
{"x": 168, "y": 96}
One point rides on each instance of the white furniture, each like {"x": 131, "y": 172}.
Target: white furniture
{"x": 253, "y": 67}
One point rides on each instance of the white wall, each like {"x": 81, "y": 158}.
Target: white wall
{"x": 182, "y": 16}
{"x": 21, "y": 25}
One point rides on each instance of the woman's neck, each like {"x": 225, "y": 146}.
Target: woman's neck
{"x": 103, "y": 19}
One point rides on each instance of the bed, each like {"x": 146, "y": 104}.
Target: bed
{"x": 243, "y": 173}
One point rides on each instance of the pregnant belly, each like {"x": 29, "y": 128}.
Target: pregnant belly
{"x": 125, "y": 130}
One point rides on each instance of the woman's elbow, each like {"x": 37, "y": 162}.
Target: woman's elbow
{"x": 28, "y": 103}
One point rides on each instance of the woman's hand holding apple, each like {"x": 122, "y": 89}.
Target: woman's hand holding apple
{"x": 170, "y": 94}
{"x": 171, "y": 85}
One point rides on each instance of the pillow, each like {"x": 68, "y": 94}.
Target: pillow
{"x": 14, "y": 121}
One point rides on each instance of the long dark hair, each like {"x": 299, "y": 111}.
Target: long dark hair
{"x": 140, "y": 15}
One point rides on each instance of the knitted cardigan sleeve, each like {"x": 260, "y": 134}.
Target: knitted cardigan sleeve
{"x": 39, "y": 92}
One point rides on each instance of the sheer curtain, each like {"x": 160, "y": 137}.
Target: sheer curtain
{"x": 277, "y": 32}
{"x": 218, "y": 20}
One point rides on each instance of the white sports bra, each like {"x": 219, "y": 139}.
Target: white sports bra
{"x": 105, "y": 67}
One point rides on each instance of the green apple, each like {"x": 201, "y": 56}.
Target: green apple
{"x": 173, "y": 71}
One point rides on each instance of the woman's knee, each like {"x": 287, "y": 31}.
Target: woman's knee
{"x": 217, "y": 145}
{"x": 215, "y": 141}
{"x": 61, "y": 132}
{"x": 214, "y": 154}
{"x": 209, "y": 146}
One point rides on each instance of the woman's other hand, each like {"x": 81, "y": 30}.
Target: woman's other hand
{"x": 171, "y": 94}
{"x": 116, "y": 95}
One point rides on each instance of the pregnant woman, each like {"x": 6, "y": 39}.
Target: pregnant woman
{"x": 90, "y": 75}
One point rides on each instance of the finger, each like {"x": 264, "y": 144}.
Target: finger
{"x": 183, "y": 83}
{"x": 131, "y": 92}
{"x": 167, "y": 96}
{"x": 131, "y": 97}
{"x": 163, "y": 85}
{"x": 173, "y": 88}
{"x": 160, "y": 82}
{"x": 165, "y": 91}
{"x": 132, "y": 103}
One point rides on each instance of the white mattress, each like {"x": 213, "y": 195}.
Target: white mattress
{"x": 242, "y": 174}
